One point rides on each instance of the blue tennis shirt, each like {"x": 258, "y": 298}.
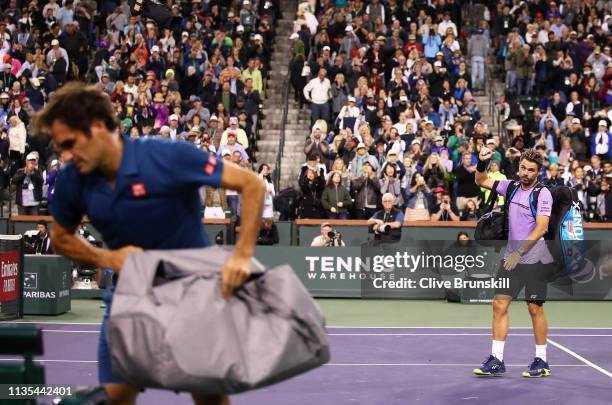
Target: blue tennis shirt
{"x": 155, "y": 203}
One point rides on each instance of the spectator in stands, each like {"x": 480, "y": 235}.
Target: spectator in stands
{"x": 264, "y": 175}
{"x": 434, "y": 171}
{"x": 312, "y": 185}
{"x": 387, "y": 223}
{"x": 268, "y": 234}
{"x": 366, "y": 189}
{"x": 318, "y": 93}
{"x": 390, "y": 183}
{"x": 443, "y": 209}
{"x": 471, "y": 212}
{"x": 28, "y": 182}
{"x": 336, "y": 199}
{"x": 328, "y": 237}
{"x": 418, "y": 197}
{"x": 601, "y": 142}
{"x": 466, "y": 187}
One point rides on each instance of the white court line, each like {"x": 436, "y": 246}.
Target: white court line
{"x": 579, "y": 357}
{"x": 433, "y": 365}
{"x": 55, "y": 361}
{"x": 462, "y": 327}
{"x": 454, "y": 334}
{"x": 347, "y": 327}
{"x": 380, "y": 334}
{"x": 54, "y": 323}
{"x": 340, "y": 364}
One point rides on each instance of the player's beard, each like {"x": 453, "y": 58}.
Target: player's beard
{"x": 527, "y": 183}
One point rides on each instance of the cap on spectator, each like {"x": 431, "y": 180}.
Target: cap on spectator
{"x": 348, "y": 28}
{"x": 549, "y": 119}
{"x": 213, "y": 118}
{"x": 403, "y": 98}
{"x": 154, "y": 48}
{"x": 351, "y": 99}
{"x": 54, "y": 162}
{"x": 428, "y": 121}
{"x": 326, "y": 48}
{"x": 575, "y": 121}
{"x": 438, "y": 138}
{"x": 159, "y": 98}
{"x": 185, "y": 34}
{"x": 294, "y": 36}
{"x": 438, "y": 63}
{"x": 231, "y": 133}
{"x": 258, "y": 37}
{"x": 415, "y": 142}
{"x": 127, "y": 122}
{"x": 590, "y": 36}
{"x": 438, "y": 189}
{"x": 196, "y": 99}
{"x": 381, "y": 38}
{"x": 4, "y": 95}
{"x": 490, "y": 141}
{"x": 411, "y": 36}
{"x": 361, "y": 145}
{"x": 173, "y": 117}
{"x": 194, "y": 130}
{"x": 392, "y": 152}
{"x": 462, "y": 143}
{"x": 240, "y": 28}
{"x": 439, "y": 53}
{"x": 35, "y": 82}
{"x": 226, "y": 152}
{"x": 31, "y": 156}
{"x": 246, "y": 2}
{"x": 267, "y": 5}
{"x": 54, "y": 42}
{"x": 603, "y": 123}
{"x": 233, "y": 120}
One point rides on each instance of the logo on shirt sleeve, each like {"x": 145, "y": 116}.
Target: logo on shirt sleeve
{"x": 209, "y": 168}
{"x": 139, "y": 190}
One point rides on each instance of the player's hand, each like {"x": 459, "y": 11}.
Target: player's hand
{"x": 235, "y": 272}
{"x": 116, "y": 258}
{"x": 485, "y": 154}
{"x": 511, "y": 261}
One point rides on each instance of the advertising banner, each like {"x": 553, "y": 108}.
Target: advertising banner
{"x": 10, "y": 277}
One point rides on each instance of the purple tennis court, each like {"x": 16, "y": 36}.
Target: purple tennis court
{"x": 400, "y": 365}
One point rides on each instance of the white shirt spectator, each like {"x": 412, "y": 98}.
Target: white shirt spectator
{"x": 445, "y": 25}
{"x": 318, "y": 91}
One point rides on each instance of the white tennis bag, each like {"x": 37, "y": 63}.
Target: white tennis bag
{"x": 171, "y": 328}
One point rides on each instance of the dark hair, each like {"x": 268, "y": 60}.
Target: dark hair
{"x": 533, "y": 156}
{"x": 77, "y": 105}
{"x": 261, "y": 166}
{"x": 460, "y": 234}
{"x": 43, "y": 223}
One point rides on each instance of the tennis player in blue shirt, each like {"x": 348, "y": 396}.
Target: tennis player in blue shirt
{"x": 140, "y": 194}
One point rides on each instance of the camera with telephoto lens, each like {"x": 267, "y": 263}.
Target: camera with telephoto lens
{"x": 334, "y": 236}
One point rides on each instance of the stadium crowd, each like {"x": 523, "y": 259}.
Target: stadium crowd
{"x": 200, "y": 80}
{"x": 391, "y": 89}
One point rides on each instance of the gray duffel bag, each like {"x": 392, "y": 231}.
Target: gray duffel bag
{"x": 171, "y": 328}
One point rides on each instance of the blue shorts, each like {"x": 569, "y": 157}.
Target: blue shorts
{"x": 105, "y": 371}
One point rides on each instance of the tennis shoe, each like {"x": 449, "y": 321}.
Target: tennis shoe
{"x": 538, "y": 368}
{"x": 491, "y": 367}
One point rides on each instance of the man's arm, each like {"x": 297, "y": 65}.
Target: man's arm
{"x": 539, "y": 231}
{"x": 68, "y": 244}
{"x": 237, "y": 268}
{"x": 481, "y": 177}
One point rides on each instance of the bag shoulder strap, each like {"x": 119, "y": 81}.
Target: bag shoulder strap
{"x": 533, "y": 198}
{"x": 492, "y": 198}
{"x": 510, "y": 191}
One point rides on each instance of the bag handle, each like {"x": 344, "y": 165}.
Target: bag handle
{"x": 492, "y": 198}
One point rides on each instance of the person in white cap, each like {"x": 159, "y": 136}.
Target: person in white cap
{"x": 348, "y": 114}
{"x": 601, "y": 142}
{"x": 28, "y": 182}
{"x": 247, "y": 16}
{"x": 55, "y": 53}
{"x": 239, "y": 133}
{"x": 349, "y": 41}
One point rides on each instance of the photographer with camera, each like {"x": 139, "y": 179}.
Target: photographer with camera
{"x": 386, "y": 224}
{"x": 329, "y": 237}
{"x": 29, "y": 181}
